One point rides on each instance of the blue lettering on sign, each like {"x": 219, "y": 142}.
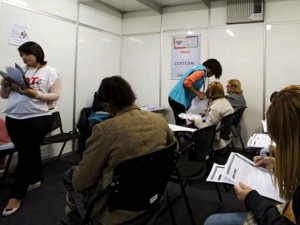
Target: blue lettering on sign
{"x": 184, "y": 63}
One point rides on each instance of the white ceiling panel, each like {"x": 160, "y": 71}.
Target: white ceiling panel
{"x": 125, "y": 5}
{"x": 166, "y": 3}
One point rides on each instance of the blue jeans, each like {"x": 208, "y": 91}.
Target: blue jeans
{"x": 226, "y": 219}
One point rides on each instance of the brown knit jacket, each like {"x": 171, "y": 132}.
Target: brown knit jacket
{"x": 129, "y": 134}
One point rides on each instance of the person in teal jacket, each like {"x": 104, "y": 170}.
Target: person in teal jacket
{"x": 188, "y": 87}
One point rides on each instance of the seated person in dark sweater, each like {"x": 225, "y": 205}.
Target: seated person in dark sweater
{"x": 235, "y": 94}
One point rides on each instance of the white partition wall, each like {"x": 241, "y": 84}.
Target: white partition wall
{"x": 283, "y": 52}
{"x": 95, "y": 61}
{"x": 98, "y": 51}
{"x": 141, "y": 67}
{"x": 241, "y": 55}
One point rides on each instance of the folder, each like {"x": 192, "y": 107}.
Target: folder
{"x": 15, "y": 75}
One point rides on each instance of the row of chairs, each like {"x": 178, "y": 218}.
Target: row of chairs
{"x": 193, "y": 161}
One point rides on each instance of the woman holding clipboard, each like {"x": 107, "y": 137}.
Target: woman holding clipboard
{"x": 28, "y": 119}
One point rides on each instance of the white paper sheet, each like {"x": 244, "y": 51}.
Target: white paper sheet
{"x": 189, "y": 116}
{"x": 153, "y": 108}
{"x": 259, "y": 141}
{"x": 181, "y": 128}
{"x": 239, "y": 168}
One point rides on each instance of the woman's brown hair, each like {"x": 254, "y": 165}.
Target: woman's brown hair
{"x": 215, "y": 90}
{"x": 237, "y": 87}
{"x": 283, "y": 120}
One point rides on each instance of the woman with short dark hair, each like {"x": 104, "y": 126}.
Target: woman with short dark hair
{"x": 28, "y": 119}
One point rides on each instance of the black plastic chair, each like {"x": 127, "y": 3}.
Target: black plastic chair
{"x": 236, "y": 127}
{"x": 225, "y": 129}
{"x": 192, "y": 162}
{"x": 62, "y": 137}
{"x": 138, "y": 184}
{"x": 7, "y": 149}
{"x": 83, "y": 128}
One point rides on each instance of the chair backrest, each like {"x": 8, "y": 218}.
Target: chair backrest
{"x": 203, "y": 141}
{"x": 225, "y": 129}
{"x": 140, "y": 182}
{"x": 192, "y": 159}
{"x": 56, "y": 122}
{"x": 237, "y": 116}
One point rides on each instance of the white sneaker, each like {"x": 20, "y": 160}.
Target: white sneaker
{"x": 34, "y": 186}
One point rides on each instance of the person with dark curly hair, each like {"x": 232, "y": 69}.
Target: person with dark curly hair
{"x": 188, "y": 87}
{"x": 130, "y": 133}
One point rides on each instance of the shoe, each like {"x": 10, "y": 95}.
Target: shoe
{"x": 8, "y": 212}
{"x": 34, "y": 186}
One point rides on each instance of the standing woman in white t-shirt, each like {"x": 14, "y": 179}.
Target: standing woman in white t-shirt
{"x": 28, "y": 119}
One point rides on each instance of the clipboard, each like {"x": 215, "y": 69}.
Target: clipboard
{"x": 15, "y": 75}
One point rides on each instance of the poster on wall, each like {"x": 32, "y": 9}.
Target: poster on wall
{"x": 185, "y": 54}
{"x": 19, "y": 34}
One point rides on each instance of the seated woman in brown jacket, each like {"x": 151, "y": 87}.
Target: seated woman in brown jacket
{"x": 130, "y": 132}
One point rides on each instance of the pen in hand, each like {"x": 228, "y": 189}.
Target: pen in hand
{"x": 264, "y": 161}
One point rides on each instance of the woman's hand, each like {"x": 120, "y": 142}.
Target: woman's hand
{"x": 31, "y": 93}
{"x": 5, "y": 84}
{"x": 191, "y": 119}
{"x": 242, "y": 190}
{"x": 16, "y": 88}
{"x": 265, "y": 162}
{"x": 201, "y": 95}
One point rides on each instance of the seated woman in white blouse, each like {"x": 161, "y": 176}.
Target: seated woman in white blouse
{"x": 218, "y": 107}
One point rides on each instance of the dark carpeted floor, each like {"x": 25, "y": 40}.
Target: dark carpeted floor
{"x": 45, "y": 205}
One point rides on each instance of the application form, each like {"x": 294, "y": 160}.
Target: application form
{"x": 239, "y": 168}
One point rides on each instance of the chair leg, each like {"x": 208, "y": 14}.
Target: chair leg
{"x": 7, "y": 165}
{"x": 232, "y": 145}
{"x": 242, "y": 142}
{"x": 182, "y": 186}
{"x": 169, "y": 206}
{"x": 61, "y": 150}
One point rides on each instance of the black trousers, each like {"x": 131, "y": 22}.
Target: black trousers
{"x": 177, "y": 109}
{"x": 27, "y": 136}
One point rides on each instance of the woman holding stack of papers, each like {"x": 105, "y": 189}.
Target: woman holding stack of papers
{"x": 29, "y": 119}
{"x": 283, "y": 120}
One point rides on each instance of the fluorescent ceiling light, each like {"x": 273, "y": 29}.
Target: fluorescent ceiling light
{"x": 229, "y": 32}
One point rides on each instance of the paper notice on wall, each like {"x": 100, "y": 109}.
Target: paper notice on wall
{"x": 185, "y": 54}
{"x": 19, "y": 34}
